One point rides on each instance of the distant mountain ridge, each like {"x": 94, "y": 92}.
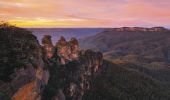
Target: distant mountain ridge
{"x": 141, "y": 29}
{"x": 110, "y": 37}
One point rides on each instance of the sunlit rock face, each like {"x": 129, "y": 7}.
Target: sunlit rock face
{"x": 74, "y": 48}
{"x": 63, "y": 50}
{"x": 47, "y": 46}
{"x": 27, "y": 92}
{"x": 67, "y": 50}
{"x": 22, "y": 68}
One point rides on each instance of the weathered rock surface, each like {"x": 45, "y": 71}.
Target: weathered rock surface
{"x": 72, "y": 80}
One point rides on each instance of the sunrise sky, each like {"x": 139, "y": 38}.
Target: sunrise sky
{"x": 86, "y": 13}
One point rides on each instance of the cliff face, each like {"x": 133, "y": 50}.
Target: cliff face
{"x": 72, "y": 80}
{"x": 21, "y": 66}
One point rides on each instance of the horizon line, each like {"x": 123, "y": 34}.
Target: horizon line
{"x": 99, "y": 27}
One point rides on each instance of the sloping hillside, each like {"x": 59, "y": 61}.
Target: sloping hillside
{"x": 146, "y": 48}
{"x": 115, "y": 82}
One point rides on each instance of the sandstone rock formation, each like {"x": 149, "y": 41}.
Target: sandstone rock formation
{"x": 47, "y": 46}
{"x": 71, "y": 75}
{"x": 67, "y": 50}
{"x": 73, "y": 79}
{"x": 63, "y": 50}
{"x": 74, "y": 48}
{"x": 29, "y": 71}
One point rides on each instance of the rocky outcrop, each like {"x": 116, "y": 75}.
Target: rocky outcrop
{"x": 67, "y": 51}
{"x": 73, "y": 79}
{"x": 33, "y": 72}
{"x": 74, "y": 48}
{"x": 47, "y": 47}
{"x": 71, "y": 71}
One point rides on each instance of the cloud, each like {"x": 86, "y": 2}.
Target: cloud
{"x": 86, "y": 13}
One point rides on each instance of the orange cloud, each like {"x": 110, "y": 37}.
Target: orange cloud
{"x": 56, "y": 23}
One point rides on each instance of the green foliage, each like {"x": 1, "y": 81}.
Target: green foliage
{"x": 118, "y": 83}
{"x": 4, "y": 96}
{"x": 5, "y": 24}
{"x": 16, "y": 48}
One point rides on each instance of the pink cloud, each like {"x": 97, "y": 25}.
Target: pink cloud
{"x": 99, "y": 13}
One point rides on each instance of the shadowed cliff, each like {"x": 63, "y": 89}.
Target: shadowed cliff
{"x": 22, "y": 70}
